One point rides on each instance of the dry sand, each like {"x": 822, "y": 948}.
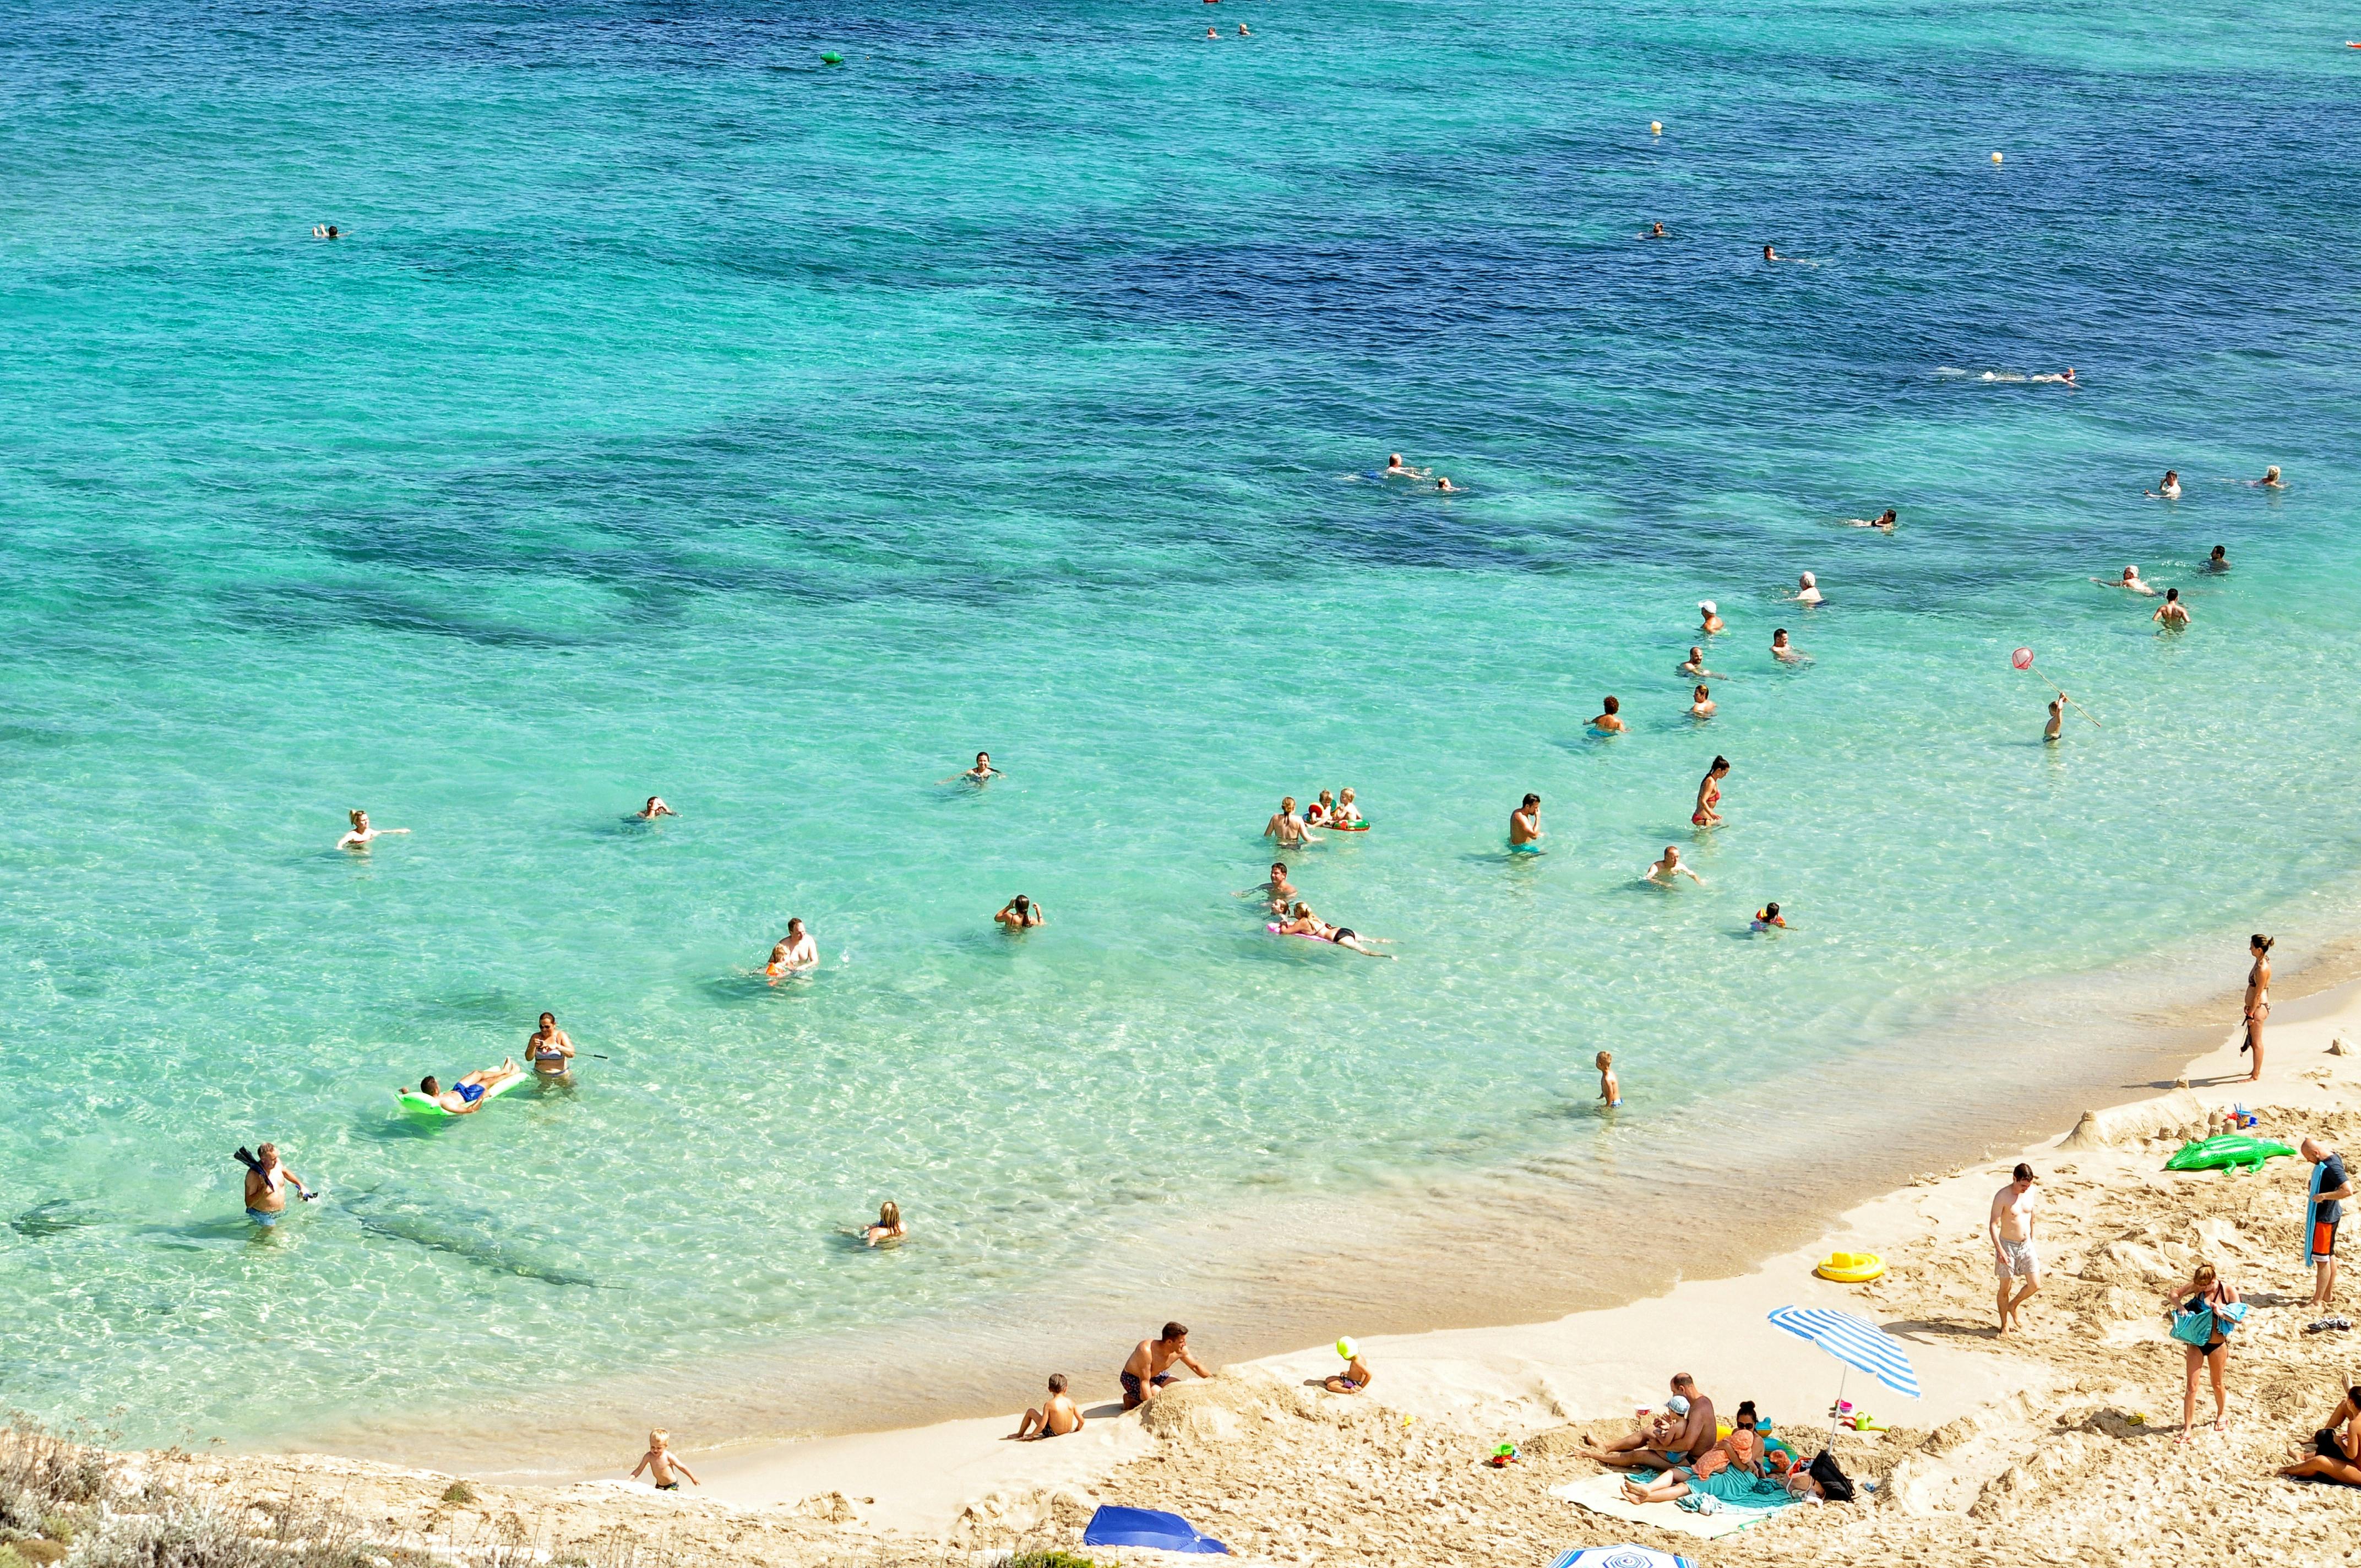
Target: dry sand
{"x": 2053, "y": 1445}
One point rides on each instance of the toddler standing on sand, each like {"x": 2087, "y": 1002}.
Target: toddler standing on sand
{"x": 660, "y": 1462}
{"x": 1608, "y": 1089}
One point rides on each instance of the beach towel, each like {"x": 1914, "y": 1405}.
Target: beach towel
{"x": 1604, "y": 1494}
{"x": 1146, "y": 1527}
{"x": 2312, "y": 1207}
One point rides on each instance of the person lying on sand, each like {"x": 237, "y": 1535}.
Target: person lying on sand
{"x": 1357, "y": 1374}
{"x": 1667, "y": 1442}
{"x": 466, "y": 1097}
{"x": 1144, "y": 1373}
{"x": 1057, "y": 1417}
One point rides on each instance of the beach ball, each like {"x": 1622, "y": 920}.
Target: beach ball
{"x": 2022, "y": 658}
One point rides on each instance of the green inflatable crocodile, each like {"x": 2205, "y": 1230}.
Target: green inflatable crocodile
{"x": 2228, "y": 1150}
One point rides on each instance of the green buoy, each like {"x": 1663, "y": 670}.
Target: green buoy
{"x": 830, "y": 56}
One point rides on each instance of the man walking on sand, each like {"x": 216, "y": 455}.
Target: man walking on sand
{"x": 2330, "y": 1188}
{"x": 2013, "y": 1256}
{"x": 1144, "y": 1373}
{"x": 1660, "y": 1447}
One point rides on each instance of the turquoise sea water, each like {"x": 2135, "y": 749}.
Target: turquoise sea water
{"x": 682, "y": 415}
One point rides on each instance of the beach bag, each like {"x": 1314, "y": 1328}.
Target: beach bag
{"x": 1835, "y": 1485}
{"x": 2193, "y": 1328}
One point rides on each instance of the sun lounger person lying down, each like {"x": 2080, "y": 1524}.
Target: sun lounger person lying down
{"x": 466, "y": 1097}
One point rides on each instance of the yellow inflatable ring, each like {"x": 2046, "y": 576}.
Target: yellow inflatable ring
{"x": 1850, "y": 1267}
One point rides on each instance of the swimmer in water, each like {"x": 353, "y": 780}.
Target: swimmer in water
{"x": 1323, "y": 811}
{"x": 2057, "y": 724}
{"x": 1883, "y": 521}
{"x": 326, "y": 231}
{"x": 1661, "y": 872}
{"x": 1608, "y": 1089}
{"x": 2063, "y": 379}
{"x": 1212, "y": 34}
{"x": 2219, "y": 560}
{"x": 1655, "y": 231}
{"x": 983, "y": 772}
{"x": 1345, "y": 810}
{"x": 1019, "y": 913}
{"x": 1694, "y": 666}
{"x": 1286, "y": 828}
{"x": 1703, "y": 706}
{"x": 796, "y": 955}
{"x": 1301, "y": 922}
{"x": 1708, "y": 795}
{"x": 1525, "y": 823}
{"x": 1768, "y": 918}
{"x": 1278, "y": 890}
{"x": 1808, "y": 590}
{"x": 1443, "y": 483}
{"x": 1785, "y": 652}
{"x": 2271, "y": 479}
{"x": 2130, "y": 579}
{"x": 2171, "y": 614}
{"x": 1709, "y": 617}
{"x": 1395, "y": 469}
{"x": 358, "y": 839}
{"x": 2169, "y": 490}
{"x": 655, "y": 808}
{"x": 1611, "y": 721}
{"x": 889, "y": 1226}
{"x": 550, "y": 1053}
{"x": 1242, "y": 31}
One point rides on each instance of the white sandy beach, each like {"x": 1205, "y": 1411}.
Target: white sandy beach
{"x": 2054, "y": 1441}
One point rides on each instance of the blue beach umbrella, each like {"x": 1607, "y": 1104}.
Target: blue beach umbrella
{"x": 1853, "y": 1340}
{"x": 1620, "y": 1557}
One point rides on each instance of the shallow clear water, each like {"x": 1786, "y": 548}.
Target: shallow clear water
{"x": 682, "y": 415}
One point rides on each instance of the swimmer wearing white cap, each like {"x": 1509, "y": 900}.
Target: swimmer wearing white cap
{"x": 1710, "y": 623}
{"x": 2130, "y": 579}
{"x": 1806, "y": 590}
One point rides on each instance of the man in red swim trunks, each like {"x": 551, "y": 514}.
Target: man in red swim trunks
{"x": 1144, "y": 1373}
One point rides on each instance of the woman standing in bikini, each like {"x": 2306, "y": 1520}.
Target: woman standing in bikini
{"x": 1710, "y": 794}
{"x": 2258, "y": 998}
{"x": 550, "y": 1053}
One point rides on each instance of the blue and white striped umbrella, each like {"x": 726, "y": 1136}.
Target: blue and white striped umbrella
{"x": 1855, "y": 1340}
{"x": 1620, "y": 1557}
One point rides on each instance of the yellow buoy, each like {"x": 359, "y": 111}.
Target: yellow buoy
{"x": 1850, "y": 1267}
{"x": 1995, "y": 157}
{"x": 1655, "y": 127}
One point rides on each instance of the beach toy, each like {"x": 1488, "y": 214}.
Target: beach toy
{"x": 1655, "y": 127}
{"x": 2023, "y": 657}
{"x": 1345, "y": 827}
{"x": 1503, "y": 1456}
{"x": 417, "y": 1105}
{"x": 1995, "y": 157}
{"x": 1850, "y": 1267}
{"x": 2229, "y": 1150}
{"x": 1344, "y": 1348}
{"x": 829, "y": 57}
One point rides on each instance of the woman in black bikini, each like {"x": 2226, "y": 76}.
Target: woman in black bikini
{"x": 2258, "y": 998}
{"x": 2206, "y": 1291}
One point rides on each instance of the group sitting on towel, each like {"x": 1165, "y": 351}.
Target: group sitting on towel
{"x": 1744, "y": 1467}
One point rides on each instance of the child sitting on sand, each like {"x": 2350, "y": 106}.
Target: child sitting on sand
{"x": 1057, "y": 1416}
{"x": 660, "y": 1462}
{"x": 1608, "y": 1089}
{"x": 1357, "y": 1374}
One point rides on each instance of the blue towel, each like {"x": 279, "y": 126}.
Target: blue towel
{"x": 1146, "y": 1527}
